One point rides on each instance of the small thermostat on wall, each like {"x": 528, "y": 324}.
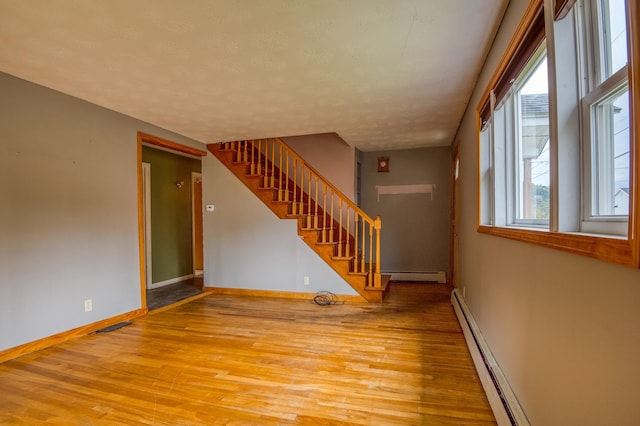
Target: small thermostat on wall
{"x": 210, "y": 207}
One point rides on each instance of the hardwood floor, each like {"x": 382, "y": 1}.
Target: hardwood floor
{"x": 250, "y": 360}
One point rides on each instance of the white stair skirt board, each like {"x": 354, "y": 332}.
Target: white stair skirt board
{"x": 504, "y": 404}
{"x": 171, "y": 281}
{"x": 430, "y": 276}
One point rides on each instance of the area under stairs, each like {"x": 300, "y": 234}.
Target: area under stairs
{"x": 345, "y": 237}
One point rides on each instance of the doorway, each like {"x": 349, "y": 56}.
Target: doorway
{"x": 169, "y": 176}
{"x": 455, "y": 218}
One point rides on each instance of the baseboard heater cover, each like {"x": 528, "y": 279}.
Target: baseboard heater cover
{"x": 506, "y": 407}
{"x": 430, "y": 276}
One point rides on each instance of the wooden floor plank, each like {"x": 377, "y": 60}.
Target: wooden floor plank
{"x": 244, "y": 360}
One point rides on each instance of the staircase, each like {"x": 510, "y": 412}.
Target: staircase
{"x": 332, "y": 225}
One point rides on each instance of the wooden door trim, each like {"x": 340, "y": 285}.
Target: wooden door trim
{"x": 146, "y": 210}
{"x": 164, "y": 143}
{"x": 195, "y": 178}
{"x": 455, "y": 155}
{"x": 167, "y": 144}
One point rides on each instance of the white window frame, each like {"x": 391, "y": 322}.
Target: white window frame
{"x": 538, "y": 57}
{"x": 501, "y": 148}
{"x": 595, "y": 89}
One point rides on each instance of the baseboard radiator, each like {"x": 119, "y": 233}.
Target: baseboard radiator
{"x": 504, "y": 403}
{"x": 429, "y": 277}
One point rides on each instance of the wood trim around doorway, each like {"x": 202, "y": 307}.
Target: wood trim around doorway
{"x": 453, "y": 217}
{"x": 144, "y": 138}
{"x": 164, "y": 143}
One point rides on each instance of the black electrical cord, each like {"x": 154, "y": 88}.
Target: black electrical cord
{"x": 325, "y": 298}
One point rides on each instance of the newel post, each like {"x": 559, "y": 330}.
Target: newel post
{"x": 377, "y": 280}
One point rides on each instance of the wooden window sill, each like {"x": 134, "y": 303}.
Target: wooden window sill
{"x": 612, "y": 249}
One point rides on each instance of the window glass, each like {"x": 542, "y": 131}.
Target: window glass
{"x": 611, "y": 160}
{"x": 613, "y": 36}
{"x": 533, "y": 145}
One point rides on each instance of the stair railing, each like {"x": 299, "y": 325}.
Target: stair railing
{"x": 322, "y": 206}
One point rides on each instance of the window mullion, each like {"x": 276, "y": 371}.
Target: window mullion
{"x": 553, "y": 116}
{"x": 512, "y": 159}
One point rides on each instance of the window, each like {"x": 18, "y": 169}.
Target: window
{"x": 515, "y": 139}
{"x": 558, "y": 133}
{"x": 605, "y": 114}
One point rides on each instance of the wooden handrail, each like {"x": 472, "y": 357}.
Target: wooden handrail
{"x": 335, "y": 190}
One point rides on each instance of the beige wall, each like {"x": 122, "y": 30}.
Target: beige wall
{"x": 561, "y": 326}
{"x": 330, "y": 155}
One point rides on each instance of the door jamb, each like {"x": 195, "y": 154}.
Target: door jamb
{"x": 195, "y": 177}
{"x": 453, "y": 252}
{"x": 146, "y": 185}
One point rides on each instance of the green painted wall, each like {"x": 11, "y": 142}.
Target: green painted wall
{"x": 171, "y": 234}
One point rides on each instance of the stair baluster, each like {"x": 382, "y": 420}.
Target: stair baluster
{"x": 362, "y": 247}
{"x": 347, "y": 251}
{"x": 356, "y": 263}
{"x": 309, "y": 223}
{"x": 294, "y": 205}
{"x": 273, "y": 165}
{"x": 340, "y": 228}
{"x": 315, "y": 215}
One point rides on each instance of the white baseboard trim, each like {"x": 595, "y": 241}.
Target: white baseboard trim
{"x": 504, "y": 404}
{"x": 170, "y": 281}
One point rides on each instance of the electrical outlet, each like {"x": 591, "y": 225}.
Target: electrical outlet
{"x": 88, "y": 305}
{"x": 306, "y": 280}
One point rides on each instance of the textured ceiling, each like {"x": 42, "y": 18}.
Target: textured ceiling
{"x": 383, "y": 74}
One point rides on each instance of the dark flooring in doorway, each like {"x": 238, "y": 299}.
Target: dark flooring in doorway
{"x": 172, "y": 293}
